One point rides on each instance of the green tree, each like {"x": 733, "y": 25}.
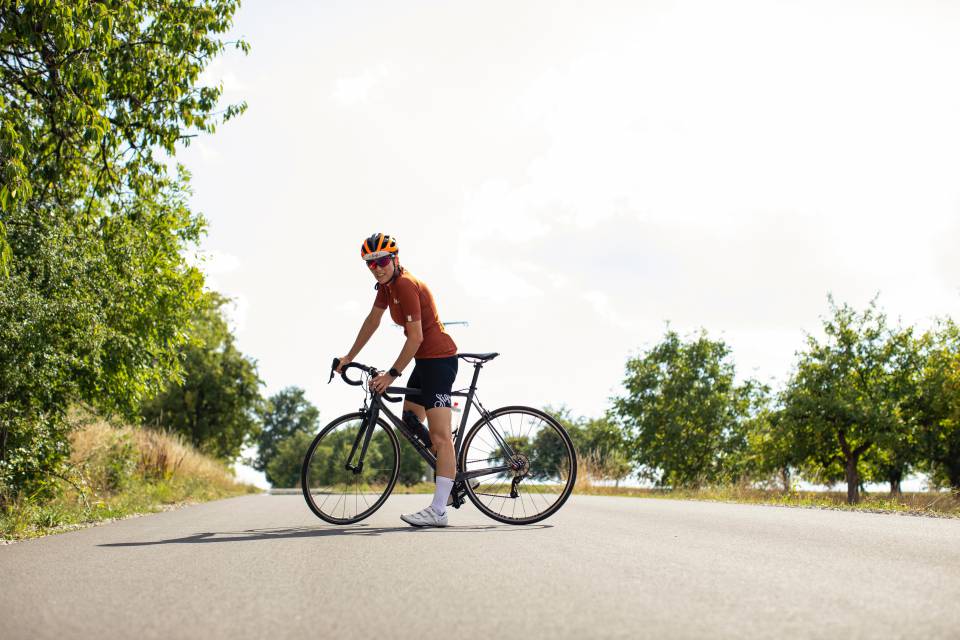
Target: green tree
{"x": 94, "y": 290}
{"x": 548, "y": 451}
{"x": 771, "y": 453}
{"x": 938, "y": 405}
{"x": 413, "y": 468}
{"x": 283, "y": 467}
{"x": 848, "y": 393}
{"x": 605, "y": 441}
{"x": 684, "y": 411}
{"x": 284, "y": 414}
{"x": 215, "y": 404}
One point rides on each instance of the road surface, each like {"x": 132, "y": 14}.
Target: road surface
{"x": 264, "y": 567}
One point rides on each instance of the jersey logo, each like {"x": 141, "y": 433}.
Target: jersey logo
{"x": 395, "y": 301}
{"x": 409, "y": 318}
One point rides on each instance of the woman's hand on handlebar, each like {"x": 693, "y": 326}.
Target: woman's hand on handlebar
{"x": 381, "y": 382}
{"x": 345, "y": 360}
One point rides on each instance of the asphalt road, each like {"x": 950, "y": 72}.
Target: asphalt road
{"x": 265, "y": 567}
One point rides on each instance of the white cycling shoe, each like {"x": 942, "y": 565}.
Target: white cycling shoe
{"x": 425, "y": 518}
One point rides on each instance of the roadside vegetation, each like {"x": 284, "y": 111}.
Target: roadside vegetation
{"x": 99, "y": 304}
{"x": 922, "y": 503}
{"x": 119, "y": 471}
{"x": 866, "y": 402}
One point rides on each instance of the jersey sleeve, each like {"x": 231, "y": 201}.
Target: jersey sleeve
{"x": 409, "y": 296}
{"x": 381, "y": 300}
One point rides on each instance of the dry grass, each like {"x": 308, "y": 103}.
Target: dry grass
{"x": 938, "y": 504}
{"x": 157, "y": 455}
{"x": 589, "y": 472}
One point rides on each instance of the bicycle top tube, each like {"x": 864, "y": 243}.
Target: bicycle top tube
{"x": 477, "y": 359}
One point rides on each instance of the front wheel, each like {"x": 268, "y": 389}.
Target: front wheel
{"x": 541, "y": 459}
{"x": 343, "y": 495}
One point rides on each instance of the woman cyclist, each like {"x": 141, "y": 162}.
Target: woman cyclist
{"x": 411, "y": 306}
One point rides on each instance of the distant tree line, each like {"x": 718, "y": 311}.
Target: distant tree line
{"x": 866, "y": 402}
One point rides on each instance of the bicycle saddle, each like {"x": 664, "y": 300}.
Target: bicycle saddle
{"x": 482, "y": 357}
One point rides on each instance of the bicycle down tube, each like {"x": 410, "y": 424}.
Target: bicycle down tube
{"x": 377, "y": 407}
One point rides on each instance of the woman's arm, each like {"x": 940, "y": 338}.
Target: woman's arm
{"x": 367, "y": 329}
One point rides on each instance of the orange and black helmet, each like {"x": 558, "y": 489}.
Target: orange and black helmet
{"x": 377, "y": 246}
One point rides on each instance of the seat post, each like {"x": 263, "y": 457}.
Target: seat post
{"x": 476, "y": 375}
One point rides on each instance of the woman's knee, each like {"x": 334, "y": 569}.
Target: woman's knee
{"x": 438, "y": 421}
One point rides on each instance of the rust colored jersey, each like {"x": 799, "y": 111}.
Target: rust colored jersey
{"x": 410, "y": 300}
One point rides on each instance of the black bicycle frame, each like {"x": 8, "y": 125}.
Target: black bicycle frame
{"x": 377, "y": 406}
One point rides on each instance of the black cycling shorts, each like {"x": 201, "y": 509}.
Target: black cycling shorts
{"x": 434, "y": 377}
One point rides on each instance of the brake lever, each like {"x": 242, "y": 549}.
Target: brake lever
{"x": 373, "y": 374}
{"x": 333, "y": 369}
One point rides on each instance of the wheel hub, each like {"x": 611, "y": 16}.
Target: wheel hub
{"x": 520, "y": 465}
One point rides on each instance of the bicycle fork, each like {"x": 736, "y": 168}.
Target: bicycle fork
{"x": 364, "y": 434}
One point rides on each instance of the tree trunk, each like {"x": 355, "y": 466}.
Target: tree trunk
{"x": 895, "y": 477}
{"x": 853, "y": 481}
{"x": 785, "y": 478}
{"x": 953, "y": 477}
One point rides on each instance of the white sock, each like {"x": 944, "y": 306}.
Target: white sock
{"x": 440, "y": 494}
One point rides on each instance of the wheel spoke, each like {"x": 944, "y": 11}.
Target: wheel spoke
{"x": 544, "y": 453}
{"x": 326, "y": 472}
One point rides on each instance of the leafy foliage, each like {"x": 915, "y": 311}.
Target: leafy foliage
{"x": 282, "y": 416}
{"x": 847, "y": 394}
{"x": 215, "y": 404}
{"x": 95, "y": 294}
{"x": 684, "y": 411}
{"x": 937, "y": 411}
{"x": 601, "y": 438}
{"x": 284, "y": 465}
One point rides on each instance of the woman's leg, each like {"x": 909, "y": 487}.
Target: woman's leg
{"x": 438, "y": 421}
{"x": 437, "y": 378}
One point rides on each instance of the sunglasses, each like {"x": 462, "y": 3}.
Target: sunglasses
{"x": 379, "y": 262}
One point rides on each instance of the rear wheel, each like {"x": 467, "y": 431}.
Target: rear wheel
{"x": 340, "y": 495}
{"x": 542, "y": 465}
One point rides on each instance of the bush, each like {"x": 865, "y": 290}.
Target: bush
{"x": 283, "y": 469}
{"x": 33, "y": 457}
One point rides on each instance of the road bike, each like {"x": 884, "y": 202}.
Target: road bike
{"x": 516, "y": 465}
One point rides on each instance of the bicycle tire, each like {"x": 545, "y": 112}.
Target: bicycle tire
{"x": 476, "y": 494}
{"x": 308, "y": 473}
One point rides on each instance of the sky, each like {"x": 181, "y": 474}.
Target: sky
{"x": 571, "y": 178}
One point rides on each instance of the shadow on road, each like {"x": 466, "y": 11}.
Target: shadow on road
{"x": 318, "y": 532}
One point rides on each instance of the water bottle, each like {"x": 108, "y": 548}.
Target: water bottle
{"x": 417, "y": 428}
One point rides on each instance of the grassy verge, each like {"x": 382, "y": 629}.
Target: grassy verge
{"x": 919, "y": 503}
{"x": 116, "y": 472}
